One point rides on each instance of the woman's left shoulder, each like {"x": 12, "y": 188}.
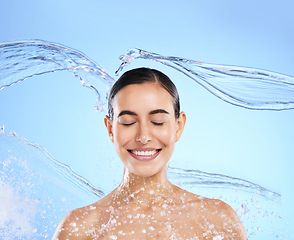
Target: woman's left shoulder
{"x": 225, "y": 216}
{"x": 217, "y": 205}
{"x": 218, "y": 214}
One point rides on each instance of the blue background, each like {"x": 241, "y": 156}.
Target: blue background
{"x": 54, "y": 111}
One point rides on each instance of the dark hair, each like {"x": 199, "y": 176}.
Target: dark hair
{"x": 144, "y": 75}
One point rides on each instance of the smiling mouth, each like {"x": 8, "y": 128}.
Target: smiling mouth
{"x": 144, "y": 155}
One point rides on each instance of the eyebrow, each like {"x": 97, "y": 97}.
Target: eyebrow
{"x": 126, "y": 112}
{"x": 158, "y": 111}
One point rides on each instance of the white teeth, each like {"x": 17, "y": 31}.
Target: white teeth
{"x": 144, "y": 153}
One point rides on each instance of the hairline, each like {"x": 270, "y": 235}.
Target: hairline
{"x": 154, "y": 80}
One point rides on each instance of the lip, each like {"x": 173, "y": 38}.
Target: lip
{"x": 144, "y": 158}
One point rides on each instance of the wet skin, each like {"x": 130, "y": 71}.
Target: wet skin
{"x": 146, "y": 205}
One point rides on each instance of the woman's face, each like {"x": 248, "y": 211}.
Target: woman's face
{"x": 144, "y": 128}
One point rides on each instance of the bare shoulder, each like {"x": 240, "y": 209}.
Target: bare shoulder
{"x": 230, "y": 220}
{"x": 77, "y": 223}
{"x": 83, "y": 223}
{"x": 214, "y": 215}
{"x": 221, "y": 217}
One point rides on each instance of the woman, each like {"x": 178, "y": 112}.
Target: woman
{"x": 144, "y": 123}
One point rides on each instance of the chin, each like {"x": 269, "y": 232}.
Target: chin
{"x": 145, "y": 172}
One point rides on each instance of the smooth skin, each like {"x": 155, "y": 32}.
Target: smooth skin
{"x": 146, "y": 205}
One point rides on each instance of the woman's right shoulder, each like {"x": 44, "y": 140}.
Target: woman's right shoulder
{"x": 78, "y": 222}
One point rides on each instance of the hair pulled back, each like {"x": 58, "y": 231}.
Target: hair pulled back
{"x": 140, "y": 76}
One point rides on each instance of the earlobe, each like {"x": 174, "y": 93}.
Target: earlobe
{"x": 181, "y": 121}
{"x": 108, "y": 126}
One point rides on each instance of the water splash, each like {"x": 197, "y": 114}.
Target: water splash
{"x": 22, "y": 59}
{"x": 241, "y": 86}
{"x": 28, "y": 171}
{"x": 36, "y": 190}
{"x": 195, "y": 179}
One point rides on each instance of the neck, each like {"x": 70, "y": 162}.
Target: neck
{"x": 144, "y": 190}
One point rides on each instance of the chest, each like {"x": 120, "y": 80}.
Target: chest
{"x": 161, "y": 224}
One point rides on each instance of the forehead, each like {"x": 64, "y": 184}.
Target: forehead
{"x": 147, "y": 95}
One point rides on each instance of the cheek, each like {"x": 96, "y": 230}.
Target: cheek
{"x": 122, "y": 136}
{"x": 167, "y": 136}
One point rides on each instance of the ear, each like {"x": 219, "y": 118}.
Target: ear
{"x": 181, "y": 121}
{"x": 108, "y": 126}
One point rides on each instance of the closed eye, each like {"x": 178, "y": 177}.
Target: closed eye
{"x": 158, "y": 123}
{"x": 128, "y": 124}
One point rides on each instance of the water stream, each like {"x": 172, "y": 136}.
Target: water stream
{"x": 242, "y": 86}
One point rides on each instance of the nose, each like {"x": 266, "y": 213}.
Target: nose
{"x": 143, "y": 134}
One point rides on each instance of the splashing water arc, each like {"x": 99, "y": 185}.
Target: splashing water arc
{"x": 27, "y": 58}
{"x": 28, "y": 170}
{"x": 241, "y": 86}
{"x": 245, "y": 87}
